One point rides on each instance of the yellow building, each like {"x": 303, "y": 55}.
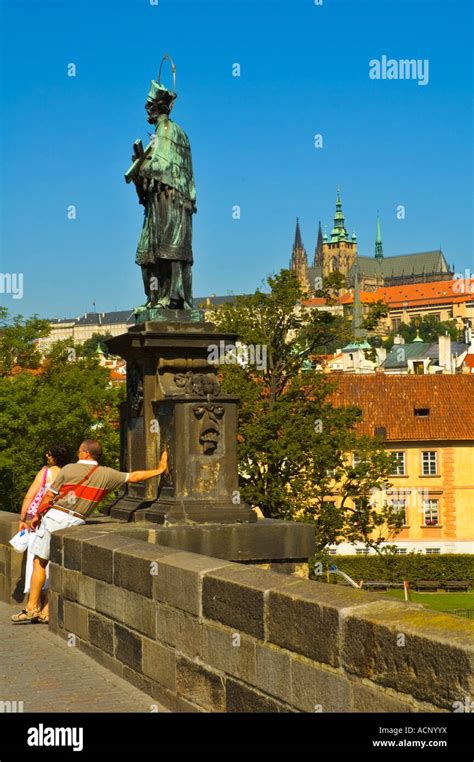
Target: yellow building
{"x": 427, "y": 422}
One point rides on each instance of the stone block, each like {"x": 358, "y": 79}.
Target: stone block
{"x": 55, "y": 578}
{"x": 243, "y": 699}
{"x": 101, "y": 632}
{"x": 73, "y": 539}
{"x": 228, "y": 651}
{"x": 139, "y": 613}
{"x": 371, "y": 699}
{"x": 128, "y": 647}
{"x": 273, "y": 674}
{"x": 8, "y": 526}
{"x": 159, "y": 663}
{"x": 53, "y": 611}
{"x": 178, "y": 629}
{"x": 313, "y": 609}
{"x": 98, "y": 555}
{"x": 139, "y": 680}
{"x": 236, "y": 596}
{"x": 426, "y": 654}
{"x": 133, "y": 568}
{"x": 110, "y": 600}
{"x": 201, "y": 686}
{"x": 70, "y": 583}
{"x": 86, "y": 592}
{"x": 179, "y": 580}
{"x": 315, "y": 689}
{"x": 75, "y": 620}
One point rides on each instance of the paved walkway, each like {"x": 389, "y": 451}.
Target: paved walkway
{"x": 40, "y": 669}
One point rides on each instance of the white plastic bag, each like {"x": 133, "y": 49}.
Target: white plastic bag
{"x": 20, "y": 541}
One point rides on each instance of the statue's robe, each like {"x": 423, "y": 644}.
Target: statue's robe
{"x": 166, "y": 239}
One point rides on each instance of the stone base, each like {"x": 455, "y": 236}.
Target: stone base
{"x": 157, "y": 315}
{"x": 266, "y": 541}
{"x": 181, "y": 511}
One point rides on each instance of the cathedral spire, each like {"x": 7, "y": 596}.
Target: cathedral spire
{"x": 318, "y": 252}
{"x": 339, "y": 232}
{"x": 298, "y": 255}
{"x": 378, "y": 241}
{"x": 298, "y": 244}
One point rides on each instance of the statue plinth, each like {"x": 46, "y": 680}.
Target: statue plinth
{"x": 160, "y": 315}
{"x": 174, "y": 401}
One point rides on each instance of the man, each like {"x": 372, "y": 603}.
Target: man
{"x": 80, "y": 486}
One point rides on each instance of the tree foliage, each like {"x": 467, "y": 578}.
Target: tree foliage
{"x": 293, "y": 443}
{"x": 68, "y": 399}
{"x": 429, "y": 328}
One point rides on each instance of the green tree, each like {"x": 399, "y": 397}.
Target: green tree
{"x": 293, "y": 443}
{"x": 19, "y": 341}
{"x": 429, "y": 327}
{"x": 97, "y": 339}
{"x": 66, "y": 402}
{"x": 376, "y": 311}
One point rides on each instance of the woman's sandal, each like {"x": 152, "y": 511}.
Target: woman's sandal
{"x": 43, "y": 619}
{"x": 26, "y": 616}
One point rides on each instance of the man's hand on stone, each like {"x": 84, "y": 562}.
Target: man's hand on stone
{"x": 164, "y": 461}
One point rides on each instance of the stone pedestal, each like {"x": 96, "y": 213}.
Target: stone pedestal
{"x": 174, "y": 402}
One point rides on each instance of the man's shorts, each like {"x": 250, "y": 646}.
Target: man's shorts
{"x": 52, "y": 522}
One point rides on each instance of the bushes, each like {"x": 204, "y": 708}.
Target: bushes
{"x": 412, "y": 566}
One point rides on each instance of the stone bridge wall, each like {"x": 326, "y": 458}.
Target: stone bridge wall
{"x": 208, "y": 635}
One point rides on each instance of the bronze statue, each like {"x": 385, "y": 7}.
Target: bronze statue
{"x": 164, "y": 181}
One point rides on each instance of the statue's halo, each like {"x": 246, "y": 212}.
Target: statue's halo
{"x": 167, "y": 57}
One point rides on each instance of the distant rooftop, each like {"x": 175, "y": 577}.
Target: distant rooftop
{"x": 401, "y": 353}
{"x": 390, "y": 401}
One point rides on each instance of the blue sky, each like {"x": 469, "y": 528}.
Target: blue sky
{"x": 304, "y": 70}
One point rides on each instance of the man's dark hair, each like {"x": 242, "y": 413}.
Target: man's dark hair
{"x": 60, "y": 453}
{"x": 93, "y": 448}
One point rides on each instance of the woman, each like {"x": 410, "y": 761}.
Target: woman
{"x": 56, "y": 457}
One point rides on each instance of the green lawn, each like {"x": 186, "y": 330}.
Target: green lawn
{"x": 437, "y": 601}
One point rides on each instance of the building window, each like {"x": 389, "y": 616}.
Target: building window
{"x": 362, "y": 551}
{"x": 398, "y": 467}
{"x": 399, "y": 506}
{"x": 396, "y": 323}
{"x": 433, "y": 551}
{"x": 356, "y": 459}
{"x": 429, "y": 462}
{"x": 431, "y": 512}
{"x": 418, "y": 368}
{"x": 401, "y": 551}
{"x": 332, "y": 551}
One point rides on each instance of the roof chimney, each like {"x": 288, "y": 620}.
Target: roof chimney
{"x": 444, "y": 350}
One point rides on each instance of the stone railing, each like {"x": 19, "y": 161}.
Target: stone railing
{"x": 204, "y": 634}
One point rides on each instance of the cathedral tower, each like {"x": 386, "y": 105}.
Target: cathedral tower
{"x": 340, "y": 251}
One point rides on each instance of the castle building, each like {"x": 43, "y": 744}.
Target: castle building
{"x": 338, "y": 253}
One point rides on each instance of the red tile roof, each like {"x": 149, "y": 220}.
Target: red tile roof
{"x": 389, "y": 401}
{"x": 419, "y": 294}
{"x": 415, "y": 294}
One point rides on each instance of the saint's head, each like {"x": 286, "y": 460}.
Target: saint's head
{"x": 159, "y": 101}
